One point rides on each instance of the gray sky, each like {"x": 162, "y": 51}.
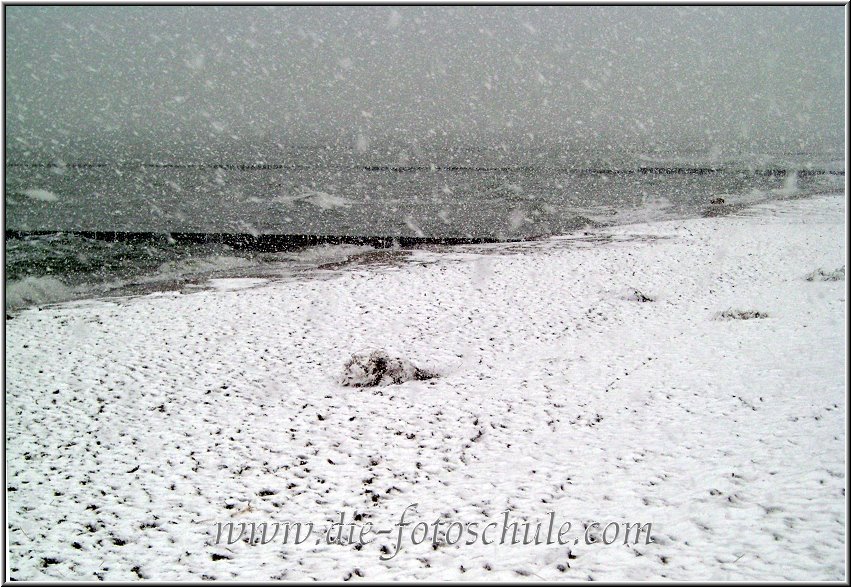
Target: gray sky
{"x": 355, "y": 74}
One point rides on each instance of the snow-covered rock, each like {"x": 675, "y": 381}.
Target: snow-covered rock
{"x": 369, "y": 369}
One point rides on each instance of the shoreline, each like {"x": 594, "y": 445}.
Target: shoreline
{"x": 134, "y": 425}
{"x": 53, "y": 290}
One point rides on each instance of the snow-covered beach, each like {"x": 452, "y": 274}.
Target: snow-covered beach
{"x": 135, "y": 425}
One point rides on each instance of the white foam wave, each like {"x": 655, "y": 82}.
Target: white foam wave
{"x": 35, "y": 290}
{"x": 322, "y": 200}
{"x": 41, "y": 195}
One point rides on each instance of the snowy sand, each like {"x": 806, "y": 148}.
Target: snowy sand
{"x": 134, "y": 425}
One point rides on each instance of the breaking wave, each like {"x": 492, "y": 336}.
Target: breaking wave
{"x": 30, "y": 291}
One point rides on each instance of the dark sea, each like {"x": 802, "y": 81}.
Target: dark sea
{"x": 79, "y": 229}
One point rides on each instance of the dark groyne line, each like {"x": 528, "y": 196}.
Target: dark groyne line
{"x": 262, "y": 243}
{"x": 427, "y": 168}
{"x": 433, "y": 168}
{"x": 226, "y": 166}
{"x": 759, "y": 172}
{"x": 812, "y": 172}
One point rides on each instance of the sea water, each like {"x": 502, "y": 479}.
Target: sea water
{"x": 52, "y": 209}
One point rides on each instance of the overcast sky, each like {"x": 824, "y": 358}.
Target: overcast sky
{"x": 606, "y": 73}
